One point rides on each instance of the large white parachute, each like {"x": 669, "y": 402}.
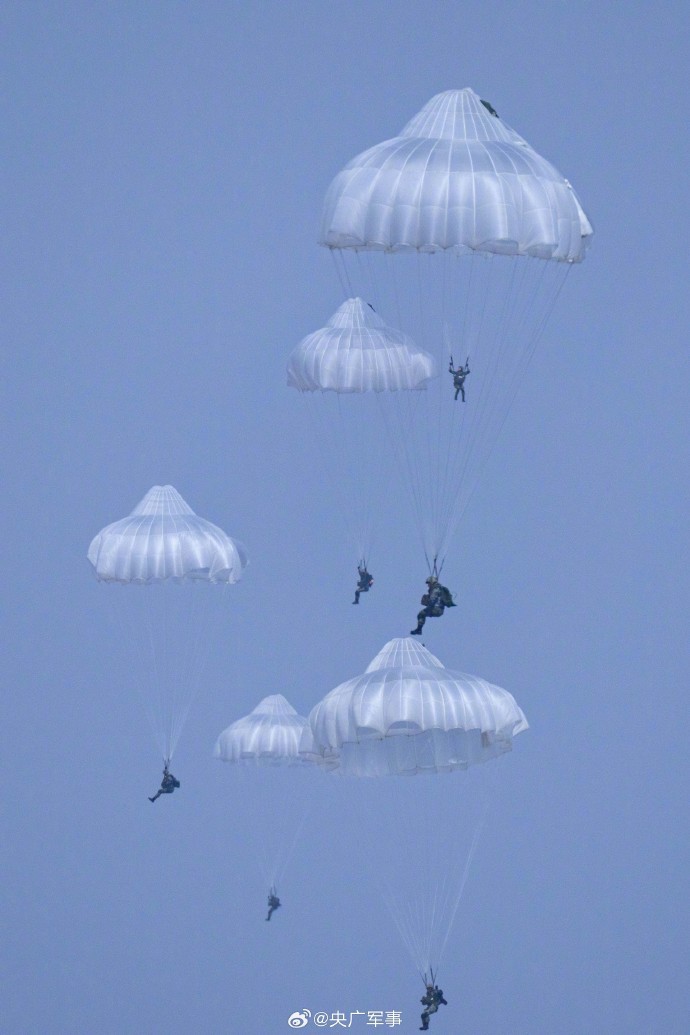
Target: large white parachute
{"x": 410, "y": 738}
{"x": 274, "y": 775}
{"x": 462, "y": 234}
{"x": 167, "y": 569}
{"x": 409, "y": 714}
{"x": 455, "y": 178}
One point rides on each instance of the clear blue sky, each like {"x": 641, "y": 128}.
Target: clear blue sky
{"x": 163, "y": 170}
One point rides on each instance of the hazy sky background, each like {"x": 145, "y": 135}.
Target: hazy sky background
{"x": 163, "y": 170}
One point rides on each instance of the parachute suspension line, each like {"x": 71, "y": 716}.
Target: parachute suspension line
{"x": 130, "y": 633}
{"x": 411, "y": 920}
{"x": 180, "y": 683}
{"x": 488, "y": 393}
{"x": 370, "y": 277}
{"x": 434, "y": 341}
{"x": 560, "y": 276}
{"x": 490, "y": 401}
{"x": 205, "y": 622}
{"x": 329, "y": 430}
{"x": 415, "y": 435}
{"x": 278, "y": 816}
{"x": 491, "y": 356}
{"x": 486, "y": 368}
{"x": 451, "y": 416}
{"x": 422, "y": 909}
{"x": 389, "y": 262}
{"x": 411, "y": 408}
{"x": 535, "y": 338}
{"x": 351, "y": 427}
{"x": 456, "y": 903}
{"x": 523, "y": 333}
{"x": 532, "y": 338}
{"x": 456, "y": 426}
{"x": 156, "y": 710}
{"x": 413, "y": 418}
{"x": 285, "y": 852}
{"x": 437, "y": 452}
{"x": 341, "y": 270}
{"x": 175, "y": 662}
{"x": 414, "y": 438}
{"x": 399, "y": 440}
{"x": 448, "y": 345}
{"x": 403, "y": 923}
{"x": 429, "y": 472}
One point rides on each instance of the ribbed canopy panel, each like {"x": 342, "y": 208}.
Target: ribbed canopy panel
{"x": 456, "y": 178}
{"x": 163, "y": 539}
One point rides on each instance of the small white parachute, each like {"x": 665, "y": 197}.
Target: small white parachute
{"x": 164, "y": 539}
{"x": 361, "y": 380}
{"x": 269, "y": 735}
{"x": 357, "y": 352}
{"x": 272, "y": 779}
{"x": 167, "y": 570}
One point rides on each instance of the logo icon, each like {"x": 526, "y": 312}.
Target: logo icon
{"x": 299, "y": 1019}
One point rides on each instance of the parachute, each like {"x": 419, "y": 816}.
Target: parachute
{"x": 360, "y": 375}
{"x": 175, "y": 566}
{"x": 413, "y": 736}
{"x": 357, "y": 352}
{"x": 462, "y": 233}
{"x": 263, "y": 749}
{"x": 269, "y": 736}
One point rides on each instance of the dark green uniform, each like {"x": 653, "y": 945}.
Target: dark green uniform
{"x": 431, "y": 1002}
{"x": 168, "y": 785}
{"x": 364, "y": 583}
{"x": 273, "y": 904}
{"x": 434, "y": 604}
{"x": 459, "y": 375}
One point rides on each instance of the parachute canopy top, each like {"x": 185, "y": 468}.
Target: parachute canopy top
{"x": 163, "y": 539}
{"x": 456, "y": 178}
{"x": 408, "y": 714}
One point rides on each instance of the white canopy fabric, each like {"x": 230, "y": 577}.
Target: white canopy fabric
{"x": 456, "y": 178}
{"x": 163, "y": 539}
{"x": 357, "y": 352}
{"x": 269, "y": 735}
{"x": 409, "y": 714}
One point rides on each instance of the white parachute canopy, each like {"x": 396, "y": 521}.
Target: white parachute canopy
{"x": 408, "y": 736}
{"x": 409, "y": 714}
{"x": 269, "y": 735}
{"x": 357, "y": 352}
{"x": 274, "y": 777}
{"x": 168, "y": 569}
{"x": 164, "y": 539}
{"x": 361, "y": 378}
{"x": 455, "y": 178}
{"x": 460, "y": 232}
